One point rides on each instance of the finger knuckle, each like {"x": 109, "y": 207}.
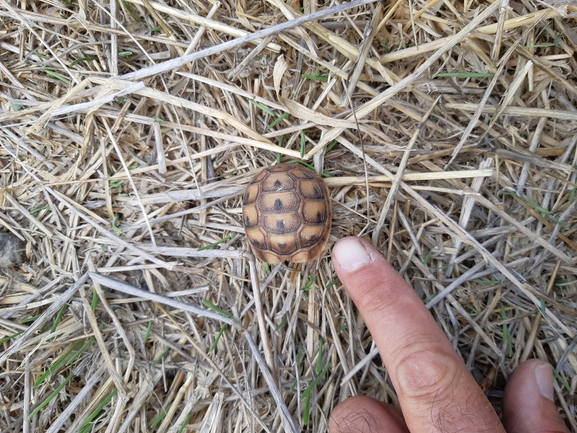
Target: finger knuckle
{"x": 427, "y": 372}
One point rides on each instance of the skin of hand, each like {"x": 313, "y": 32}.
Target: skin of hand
{"x": 436, "y": 391}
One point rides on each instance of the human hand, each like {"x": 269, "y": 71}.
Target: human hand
{"x": 436, "y": 391}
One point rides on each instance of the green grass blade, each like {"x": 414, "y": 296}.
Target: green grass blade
{"x": 216, "y": 309}
{"x": 206, "y": 247}
{"x": 10, "y": 337}
{"x": 57, "y": 76}
{"x": 86, "y": 426}
{"x": 160, "y": 357}
{"x": 278, "y": 155}
{"x": 283, "y": 322}
{"x": 307, "y": 287}
{"x": 217, "y": 339}
{"x": 82, "y": 59}
{"x": 51, "y": 396}
{"x": 562, "y": 380}
{"x": 314, "y": 383}
{"x": 185, "y": 423}
{"x": 278, "y": 120}
{"x": 160, "y": 417}
{"x": 54, "y": 367}
{"x": 58, "y": 318}
{"x": 506, "y": 336}
{"x": 321, "y": 78}
{"x": 262, "y": 107}
{"x": 147, "y": 333}
{"x": 319, "y": 366}
{"x": 81, "y": 350}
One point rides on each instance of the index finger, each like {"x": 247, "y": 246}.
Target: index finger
{"x": 435, "y": 389}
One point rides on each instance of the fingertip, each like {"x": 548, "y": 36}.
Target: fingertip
{"x": 353, "y": 253}
{"x": 362, "y": 413}
{"x": 528, "y": 403}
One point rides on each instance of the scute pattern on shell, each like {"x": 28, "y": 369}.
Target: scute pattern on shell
{"x": 287, "y": 214}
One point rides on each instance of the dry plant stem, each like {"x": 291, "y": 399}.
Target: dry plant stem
{"x": 532, "y": 147}
{"x": 519, "y": 226}
{"x": 467, "y": 238}
{"x": 481, "y": 106}
{"x": 266, "y": 347}
{"x": 120, "y": 286}
{"x": 469, "y": 204}
{"x": 15, "y": 15}
{"x": 198, "y": 133}
{"x": 107, "y": 233}
{"x": 233, "y": 89}
{"x": 86, "y": 106}
{"x": 511, "y": 92}
{"x": 482, "y": 334}
{"x": 368, "y": 107}
{"x": 289, "y": 425}
{"x": 370, "y": 33}
{"x": 165, "y": 97}
{"x": 119, "y": 328}
{"x": 530, "y": 341}
{"x": 197, "y": 37}
{"x": 27, "y": 214}
{"x": 402, "y": 165}
{"x": 525, "y": 289}
{"x": 518, "y": 111}
{"x": 73, "y": 406}
{"x": 181, "y": 61}
{"x": 48, "y": 314}
{"x": 188, "y": 211}
{"x": 118, "y": 382}
{"x": 34, "y": 294}
{"x": 415, "y": 15}
{"x": 97, "y": 395}
{"x": 456, "y": 284}
{"x": 273, "y": 273}
{"x": 335, "y": 182}
{"x": 202, "y": 21}
{"x": 193, "y": 252}
{"x": 27, "y": 396}
{"x": 360, "y": 365}
{"x": 499, "y": 33}
{"x": 64, "y": 201}
{"x": 210, "y": 363}
{"x": 490, "y": 29}
{"x": 130, "y": 179}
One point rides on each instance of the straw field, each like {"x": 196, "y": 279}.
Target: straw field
{"x": 445, "y": 131}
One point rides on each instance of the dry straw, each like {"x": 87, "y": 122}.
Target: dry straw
{"x": 445, "y": 132}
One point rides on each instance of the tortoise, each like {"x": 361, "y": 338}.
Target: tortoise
{"x": 287, "y": 214}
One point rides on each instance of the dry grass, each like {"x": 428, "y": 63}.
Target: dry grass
{"x": 447, "y": 134}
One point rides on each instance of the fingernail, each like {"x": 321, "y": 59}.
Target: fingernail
{"x": 352, "y": 254}
{"x": 544, "y": 377}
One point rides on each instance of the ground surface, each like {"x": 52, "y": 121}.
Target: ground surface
{"x": 446, "y": 135}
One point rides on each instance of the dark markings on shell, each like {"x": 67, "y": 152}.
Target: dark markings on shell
{"x": 247, "y": 222}
{"x": 318, "y": 192}
{"x": 280, "y": 225}
{"x": 282, "y": 245}
{"x": 320, "y": 218}
{"x": 311, "y": 241}
{"x": 278, "y": 204}
{"x": 257, "y": 243}
{"x": 277, "y": 184}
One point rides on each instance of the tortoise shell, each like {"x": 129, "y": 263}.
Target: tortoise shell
{"x": 287, "y": 214}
